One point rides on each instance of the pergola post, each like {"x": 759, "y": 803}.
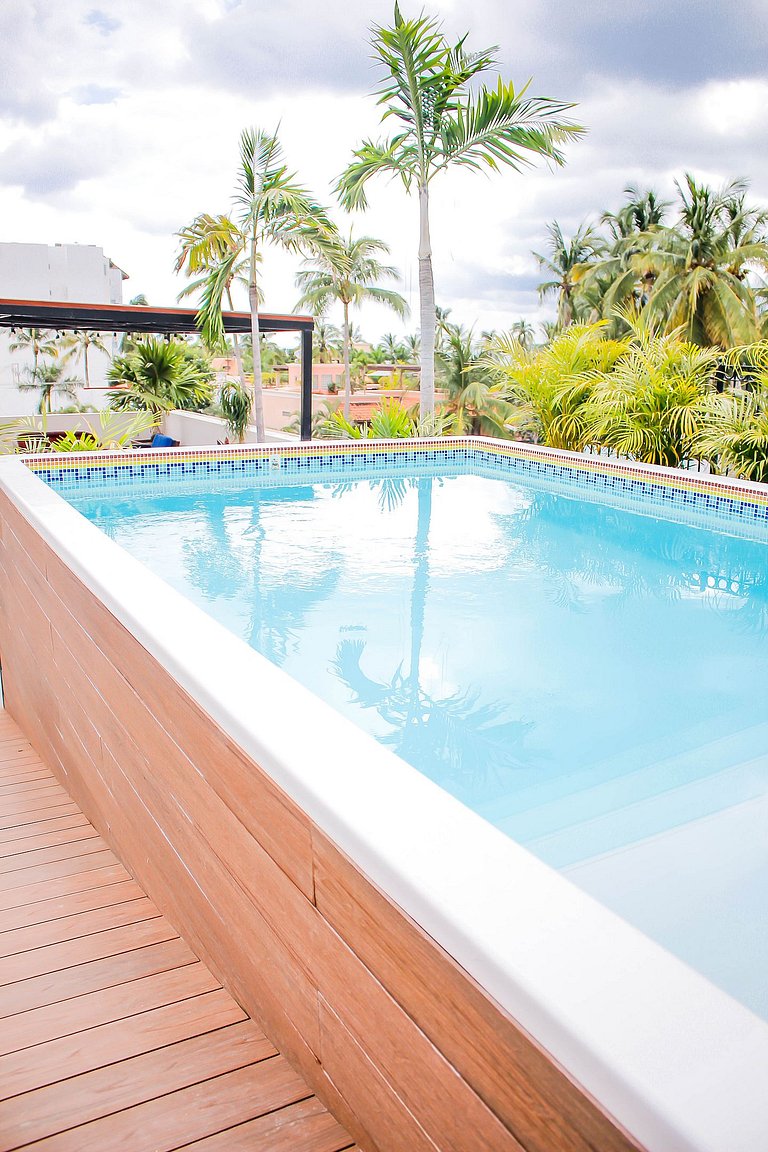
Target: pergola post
{"x": 306, "y": 384}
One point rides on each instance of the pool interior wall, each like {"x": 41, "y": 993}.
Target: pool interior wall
{"x": 140, "y": 703}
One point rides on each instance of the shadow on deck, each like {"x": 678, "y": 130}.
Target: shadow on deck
{"x": 113, "y": 1034}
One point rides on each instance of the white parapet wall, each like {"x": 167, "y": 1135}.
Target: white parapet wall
{"x": 196, "y": 430}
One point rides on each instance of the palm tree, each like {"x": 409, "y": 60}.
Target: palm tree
{"x": 38, "y": 341}
{"x": 348, "y": 271}
{"x": 522, "y": 330}
{"x": 272, "y": 209}
{"x": 412, "y": 345}
{"x": 160, "y": 377}
{"x": 46, "y": 379}
{"x": 444, "y": 121}
{"x": 701, "y": 265}
{"x": 642, "y": 212}
{"x": 76, "y": 345}
{"x": 621, "y": 275}
{"x": 325, "y": 341}
{"x": 564, "y": 257}
{"x": 206, "y": 244}
{"x": 474, "y": 405}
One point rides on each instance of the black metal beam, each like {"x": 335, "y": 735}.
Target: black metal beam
{"x": 63, "y": 316}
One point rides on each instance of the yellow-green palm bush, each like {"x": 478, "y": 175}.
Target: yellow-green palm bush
{"x": 550, "y": 387}
{"x": 734, "y": 434}
{"x": 652, "y": 403}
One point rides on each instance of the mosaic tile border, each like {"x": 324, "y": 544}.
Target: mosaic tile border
{"x": 637, "y": 484}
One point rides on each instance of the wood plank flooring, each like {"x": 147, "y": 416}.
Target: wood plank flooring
{"x": 113, "y": 1035}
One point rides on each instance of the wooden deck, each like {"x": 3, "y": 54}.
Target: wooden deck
{"x": 113, "y": 1035}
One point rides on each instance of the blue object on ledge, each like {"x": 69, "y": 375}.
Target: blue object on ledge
{"x": 161, "y": 441}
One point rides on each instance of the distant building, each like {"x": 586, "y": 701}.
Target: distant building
{"x": 77, "y": 273}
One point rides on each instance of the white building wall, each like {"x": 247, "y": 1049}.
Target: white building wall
{"x": 75, "y": 273}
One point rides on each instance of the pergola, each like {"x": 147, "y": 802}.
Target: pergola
{"x": 65, "y": 317}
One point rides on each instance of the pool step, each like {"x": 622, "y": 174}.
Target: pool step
{"x": 650, "y": 779}
{"x": 633, "y": 820}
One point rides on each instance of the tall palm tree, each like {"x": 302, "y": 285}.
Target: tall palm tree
{"x": 76, "y": 346}
{"x": 38, "y": 341}
{"x": 702, "y": 263}
{"x": 47, "y": 379}
{"x": 348, "y": 271}
{"x": 444, "y": 120}
{"x": 621, "y": 275}
{"x": 562, "y": 260}
{"x": 272, "y": 208}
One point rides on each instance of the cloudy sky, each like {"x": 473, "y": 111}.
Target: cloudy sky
{"x": 119, "y": 122}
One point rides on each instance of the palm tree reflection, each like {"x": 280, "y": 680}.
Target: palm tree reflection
{"x": 228, "y": 561}
{"x": 465, "y": 746}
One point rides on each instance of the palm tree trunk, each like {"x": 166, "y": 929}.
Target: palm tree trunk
{"x": 347, "y": 373}
{"x": 426, "y": 308}
{"x": 258, "y": 396}
{"x": 85, "y": 366}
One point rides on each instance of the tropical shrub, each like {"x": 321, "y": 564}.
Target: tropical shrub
{"x": 235, "y": 403}
{"x": 161, "y": 376}
{"x": 651, "y": 404}
{"x": 26, "y": 434}
{"x": 734, "y": 434}
{"x": 548, "y": 388}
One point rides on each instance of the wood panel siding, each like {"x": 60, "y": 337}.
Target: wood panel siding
{"x": 113, "y": 1034}
{"x": 398, "y": 1041}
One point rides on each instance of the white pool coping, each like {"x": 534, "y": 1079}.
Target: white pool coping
{"x": 679, "y": 1063}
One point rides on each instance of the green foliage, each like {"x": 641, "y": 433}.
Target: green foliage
{"x": 28, "y": 434}
{"x": 696, "y": 273}
{"x": 734, "y": 434}
{"x": 474, "y": 404}
{"x": 235, "y": 402}
{"x": 391, "y": 421}
{"x": 161, "y": 376}
{"x": 548, "y": 388}
{"x": 651, "y": 405}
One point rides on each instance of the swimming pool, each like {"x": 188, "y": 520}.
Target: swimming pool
{"x": 674, "y": 1060}
{"x": 574, "y": 671}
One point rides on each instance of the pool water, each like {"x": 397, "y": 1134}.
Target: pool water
{"x": 592, "y": 681}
